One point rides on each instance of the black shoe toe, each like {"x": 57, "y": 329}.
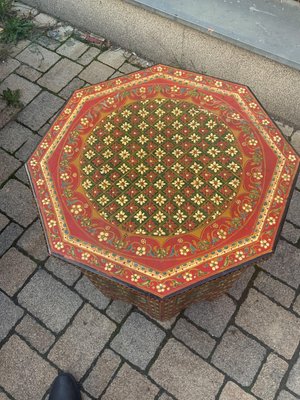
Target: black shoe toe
{"x": 65, "y": 387}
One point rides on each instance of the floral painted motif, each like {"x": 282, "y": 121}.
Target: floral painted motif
{"x": 162, "y": 179}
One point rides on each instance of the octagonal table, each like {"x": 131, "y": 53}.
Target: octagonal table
{"x": 162, "y": 184}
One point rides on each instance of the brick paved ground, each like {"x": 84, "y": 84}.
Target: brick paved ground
{"x": 243, "y": 346}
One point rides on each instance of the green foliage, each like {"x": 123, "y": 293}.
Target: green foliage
{"x": 5, "y": 9}
{"x": 12, "y": 97}
{"x": 16, "y": 29}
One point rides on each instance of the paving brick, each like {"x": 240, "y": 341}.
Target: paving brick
{"x": 101, "y": 373}
{"x": 130, "y": 385}
{"x": 113, "y": 58}
{"x": 13, "y": 135}
{"x": 165, "y": 324}
{"x": 290, "y": 233}
{"x": 8, "y": 236}
{"x": 33, "y": 242}
{"x": 60, "y": 32}
{"x": 284, "y": 395}
{"x": 28, "y": 73}
{"x": 88, "y": 56}
{"x": 8, "y": 165}
{"x": 38, "y": 57}
{"x": 82, "y": 342}
{"x": 3, "y": 396}
{"x": 293, "y": 382}
{"x": 85, "y": 287}
{"x": 38, "y": 336}
{"x": 96, "y": 72}
{"x": 117, "y": 74}
{"x": 28, "y": 147}
{"x": 198, "y": 340}
{"x": 232, "y": 391}
{"x": 4, "y": 221}
{"x": 241, "y": 284}
{"x": 295, "y": 142}
{"x": 44, "y": 129}
{"x": 128, "y": 68}
{"x": 42, "y": 108}
{"x": 272, "y": 324}
{"x": 293, "y": 214}
{"x": 49, "y": 43}
{"x": 274, "y": 289}
{"x": 284, "y": 264}
{"x": 269, "y": 378}
{"x": 296, "y": 305}
{"x": 118, "y": 310}
{"x": 238, "y": 356}
{"x": 212, "y": 315}
{"x": 185, "y": 375}
{"x": 285, "y": 129}
{"x": 17, "y": 202}
{"x": 72, "y": 48}
{"x": 63, "y": 270}
{"x": 138, "y": 340}
{"x": 28, "y": 90}
{"x": 17, "y": 48}
{"x": 23, "y": 373}
{"x": 21, "y": 174}
{"x": 15, "y": 268}
{"x": 165, "y": 396}
{"x": 298, "y": 182}
{"x": 59, "y": 75}
{"x": 7, "y": 67}
{"x": 44, "y": 20}
{"x": 23, "y": 10}
{"x": 75, "y": 84}
{"x": 50, "y": 301}
{"x": 9, "y": 316}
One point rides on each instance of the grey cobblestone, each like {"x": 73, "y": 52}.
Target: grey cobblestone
{"x": 85, "y": 287}
{"x": 238, "y": 356}
{"x": 82, "y": 341}
{"x": 49, "y": 43}
{"x": 285, "y": 129}
{"x": 3, "y": 396}
{"x": 290, "y": 233}
{"x": 63, "y": 270}
{"x": 212, "y": 315}
{"x": 21, "y": 174}
{"x": 88, "y": 56}
{"x": 296, "y": 142}
{"x": 13, "y": 135}
{"x": 128, "y": 68}
{"x": 72, "y": 48}
{"x": 35, "y": 334}
{"x": 284, "y": 264}
{"x": 7, "y": 67}
{"x": 96, "y": 72}
{"x": 296, "y": 305}
{"x": 17, "y": 202}
{"x": 284, "y": 395}
{"x": 178, "y": 370}
{"x": 23, "y": 373}
{"x": 165, "y": 396}
{"x": 240, "y": 285}
{"x": 44, "y": 20}
{"x": 28, "y": 147}
{"x": 138, "y": 340}
{"x": 33, "y": 242}
{"x": 15, "y": 268}
{"x": 60, "y": 32}
{"x": 42, "y": 108}
{"x": 118, "y": 310}
{"x": 269, "y": 378}
{"x": 293, "y": 214}
{"x": 8, "y": 236}
{"x": 293, "y": 382}
{"x": 102, "y": 372}
{"x": 38, "y": 57}
{"x": 198, "y": 340}
{"x": 272, "y": 324}
{"x": 60, "y": 75}
{"x": 130, "y": 385}
{"x": 28, "y": 90}
{"x": 274, "y": 289}
{"x": 8, "y": 165}
{"x": 113, "y": 58}
{"x": 232, "y": 391}
{"x": 75, "y": 84}
{"x": 9, "y": 316}
{"x": 49, "y": 300}
{"x": 3, "y": 221}
{"x": 17, "y": 48}
{"x": 28, "y": 72}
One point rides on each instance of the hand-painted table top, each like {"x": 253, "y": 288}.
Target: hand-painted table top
{"x": 163, "y": 179}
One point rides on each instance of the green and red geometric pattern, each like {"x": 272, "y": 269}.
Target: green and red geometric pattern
{"x": 163, "y": 179}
